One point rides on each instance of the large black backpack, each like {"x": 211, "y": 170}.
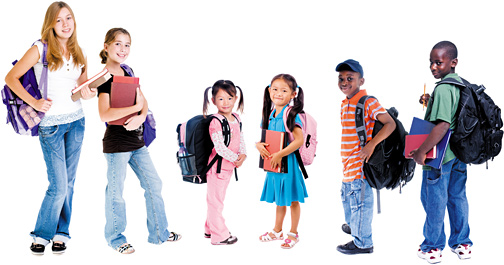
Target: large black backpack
{"x": 477, "y": 136}
{"x": 194, "y": 136}
{"x": 387, "y": 167}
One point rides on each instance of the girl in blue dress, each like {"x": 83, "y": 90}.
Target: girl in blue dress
{"x": 285, "y": 189}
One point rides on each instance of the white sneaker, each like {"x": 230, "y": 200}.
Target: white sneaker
{"x": 463, "y": 251}
{"x": 433, "y": 256}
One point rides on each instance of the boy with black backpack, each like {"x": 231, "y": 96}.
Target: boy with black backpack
{"x": 356, "y": 193}
{"x": 443, "y": 188}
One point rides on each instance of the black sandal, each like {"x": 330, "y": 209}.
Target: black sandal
{"x": 37, "y": 249}
{"x": 58, "y": 248}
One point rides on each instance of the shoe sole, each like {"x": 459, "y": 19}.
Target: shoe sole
{"x": 231, "y": 242}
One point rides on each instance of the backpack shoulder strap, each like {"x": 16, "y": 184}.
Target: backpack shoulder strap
{"x": 237, "y": 117}
{"x": 43, "y": 78}
{"x": 128, "y": 70}
{"x": 360, "y": 125}
{"x": 452, "y": 81}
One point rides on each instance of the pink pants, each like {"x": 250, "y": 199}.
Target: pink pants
{"x": 216, "y": 192}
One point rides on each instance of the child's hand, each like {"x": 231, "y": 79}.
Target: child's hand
{"x": 240, "y": 160}
{"x": 262, "y": 150}
{"x": 275, "y": 160}
{"x": 424, "y": 99}
{"x": 42, "y": 105}
{"x": 88, "y": 93}
{"x": 367, "y": 151}
{"x": 418, "y": 157}
{"x": 134, "y": 122}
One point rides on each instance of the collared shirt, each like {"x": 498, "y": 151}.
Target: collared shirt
{"x": 350, "y": 147}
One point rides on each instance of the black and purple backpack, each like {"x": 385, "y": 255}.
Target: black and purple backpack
{"x": 23, "y": 118}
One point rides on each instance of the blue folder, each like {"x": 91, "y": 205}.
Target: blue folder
{"x": 419, "y": 126}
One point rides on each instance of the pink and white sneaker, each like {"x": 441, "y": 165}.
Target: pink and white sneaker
{"x": 433, "y": 256}
{"x": 463, "y": 251}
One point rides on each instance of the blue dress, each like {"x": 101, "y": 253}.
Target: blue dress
{"x": 284, "y": 188}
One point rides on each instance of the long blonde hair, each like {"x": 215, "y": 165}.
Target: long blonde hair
{"x": 54, "y": 51}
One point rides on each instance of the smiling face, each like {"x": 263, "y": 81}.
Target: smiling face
{"x": 65, "y": 24}
{"x": 441, "y": 64}
{"x": 349, "y": 83}
{"x": 224, "y": 102}
{"x": 119, "y": 49}
{"x": 281, "y": 93}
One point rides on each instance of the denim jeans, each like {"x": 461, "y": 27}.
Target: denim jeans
{"x": 115, "y": 207}
{"x": 61, "y": 146}
{"x": 358, "y": 209}
{"x": 445, "y": 189}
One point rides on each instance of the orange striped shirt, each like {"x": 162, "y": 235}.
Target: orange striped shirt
{"x": 350, "y": 148}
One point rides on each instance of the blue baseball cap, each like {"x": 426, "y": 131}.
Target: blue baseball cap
{"x": 352, "y": 65}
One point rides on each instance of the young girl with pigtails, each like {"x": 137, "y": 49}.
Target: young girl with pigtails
{"x": 224, "y": 97}
{"x": 285, "y": 189}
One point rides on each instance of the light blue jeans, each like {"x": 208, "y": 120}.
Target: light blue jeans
{"x": 115, "y": 207}
{"x": 444, "y": 189}
{"x": 61, "y": 146}
{"x": 358, "y": 209}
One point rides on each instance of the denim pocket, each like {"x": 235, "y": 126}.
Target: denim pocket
{"x": 433, "y": 176}
{"x": 355, "y": 195}
{"x": 48, "y": 131}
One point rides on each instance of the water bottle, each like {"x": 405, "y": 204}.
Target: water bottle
{"x": 187, "y": 162}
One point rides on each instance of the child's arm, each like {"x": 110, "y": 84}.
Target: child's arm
{"x": 215, "y": 130}
{"x": 136, "y": 121}
{"x": 111, "y": 114}
{"x": 435, "y": 136}
{"x": 242, "y": 153}
{"x": 28, "y": 60}
{"x": 276, "y": 158}
{"x": 86, "y": 92}
{"x": 388, "y": 127}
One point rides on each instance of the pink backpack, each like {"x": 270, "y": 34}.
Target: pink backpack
{"x": 307, "y": 151}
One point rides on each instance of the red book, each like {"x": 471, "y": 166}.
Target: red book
{"x": 123, "y": 94}
{"x": 93, "y": 82}
{"x": 413, "y": 141}
{"x": 277, "y": 141}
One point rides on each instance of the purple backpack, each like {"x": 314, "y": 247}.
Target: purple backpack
{"x": 306, "y": 152}
{"x": 23, "y": 118}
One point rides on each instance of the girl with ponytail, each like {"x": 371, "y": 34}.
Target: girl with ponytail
{"x": 285, "y": 189}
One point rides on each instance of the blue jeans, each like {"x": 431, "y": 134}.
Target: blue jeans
{"x": 358, "y": 209}
{"x": 115, "y": 207}
{"x": 61, "y": 146}
{"x": 445, "y": 189}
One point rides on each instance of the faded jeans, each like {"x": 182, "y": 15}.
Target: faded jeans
{"x": 115, "y": 206}
{"x": 358, "y": 209}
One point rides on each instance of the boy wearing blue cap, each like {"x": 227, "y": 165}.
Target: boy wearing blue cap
{"x": 356, "y": 194}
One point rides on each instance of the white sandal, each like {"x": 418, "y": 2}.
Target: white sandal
{"x": 267, "y": 237}
{"x": 463, "y": 251}
{"x": 125, "y": 249}
{"x": 433, "y": 256}
{"x": 290, "y": 243}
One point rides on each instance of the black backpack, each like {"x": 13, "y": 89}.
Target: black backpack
{"x": 477, "y": 136}
{"x": 387, "y": 167}
{"x": 194, "y": 136}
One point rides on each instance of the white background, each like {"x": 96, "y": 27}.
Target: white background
{"x": 181, "y": 47}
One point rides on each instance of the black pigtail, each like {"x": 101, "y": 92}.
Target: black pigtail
{"x": 205, "y": 101}
{"x": 267, "y": 107}
{"x": 241, "y": 102}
